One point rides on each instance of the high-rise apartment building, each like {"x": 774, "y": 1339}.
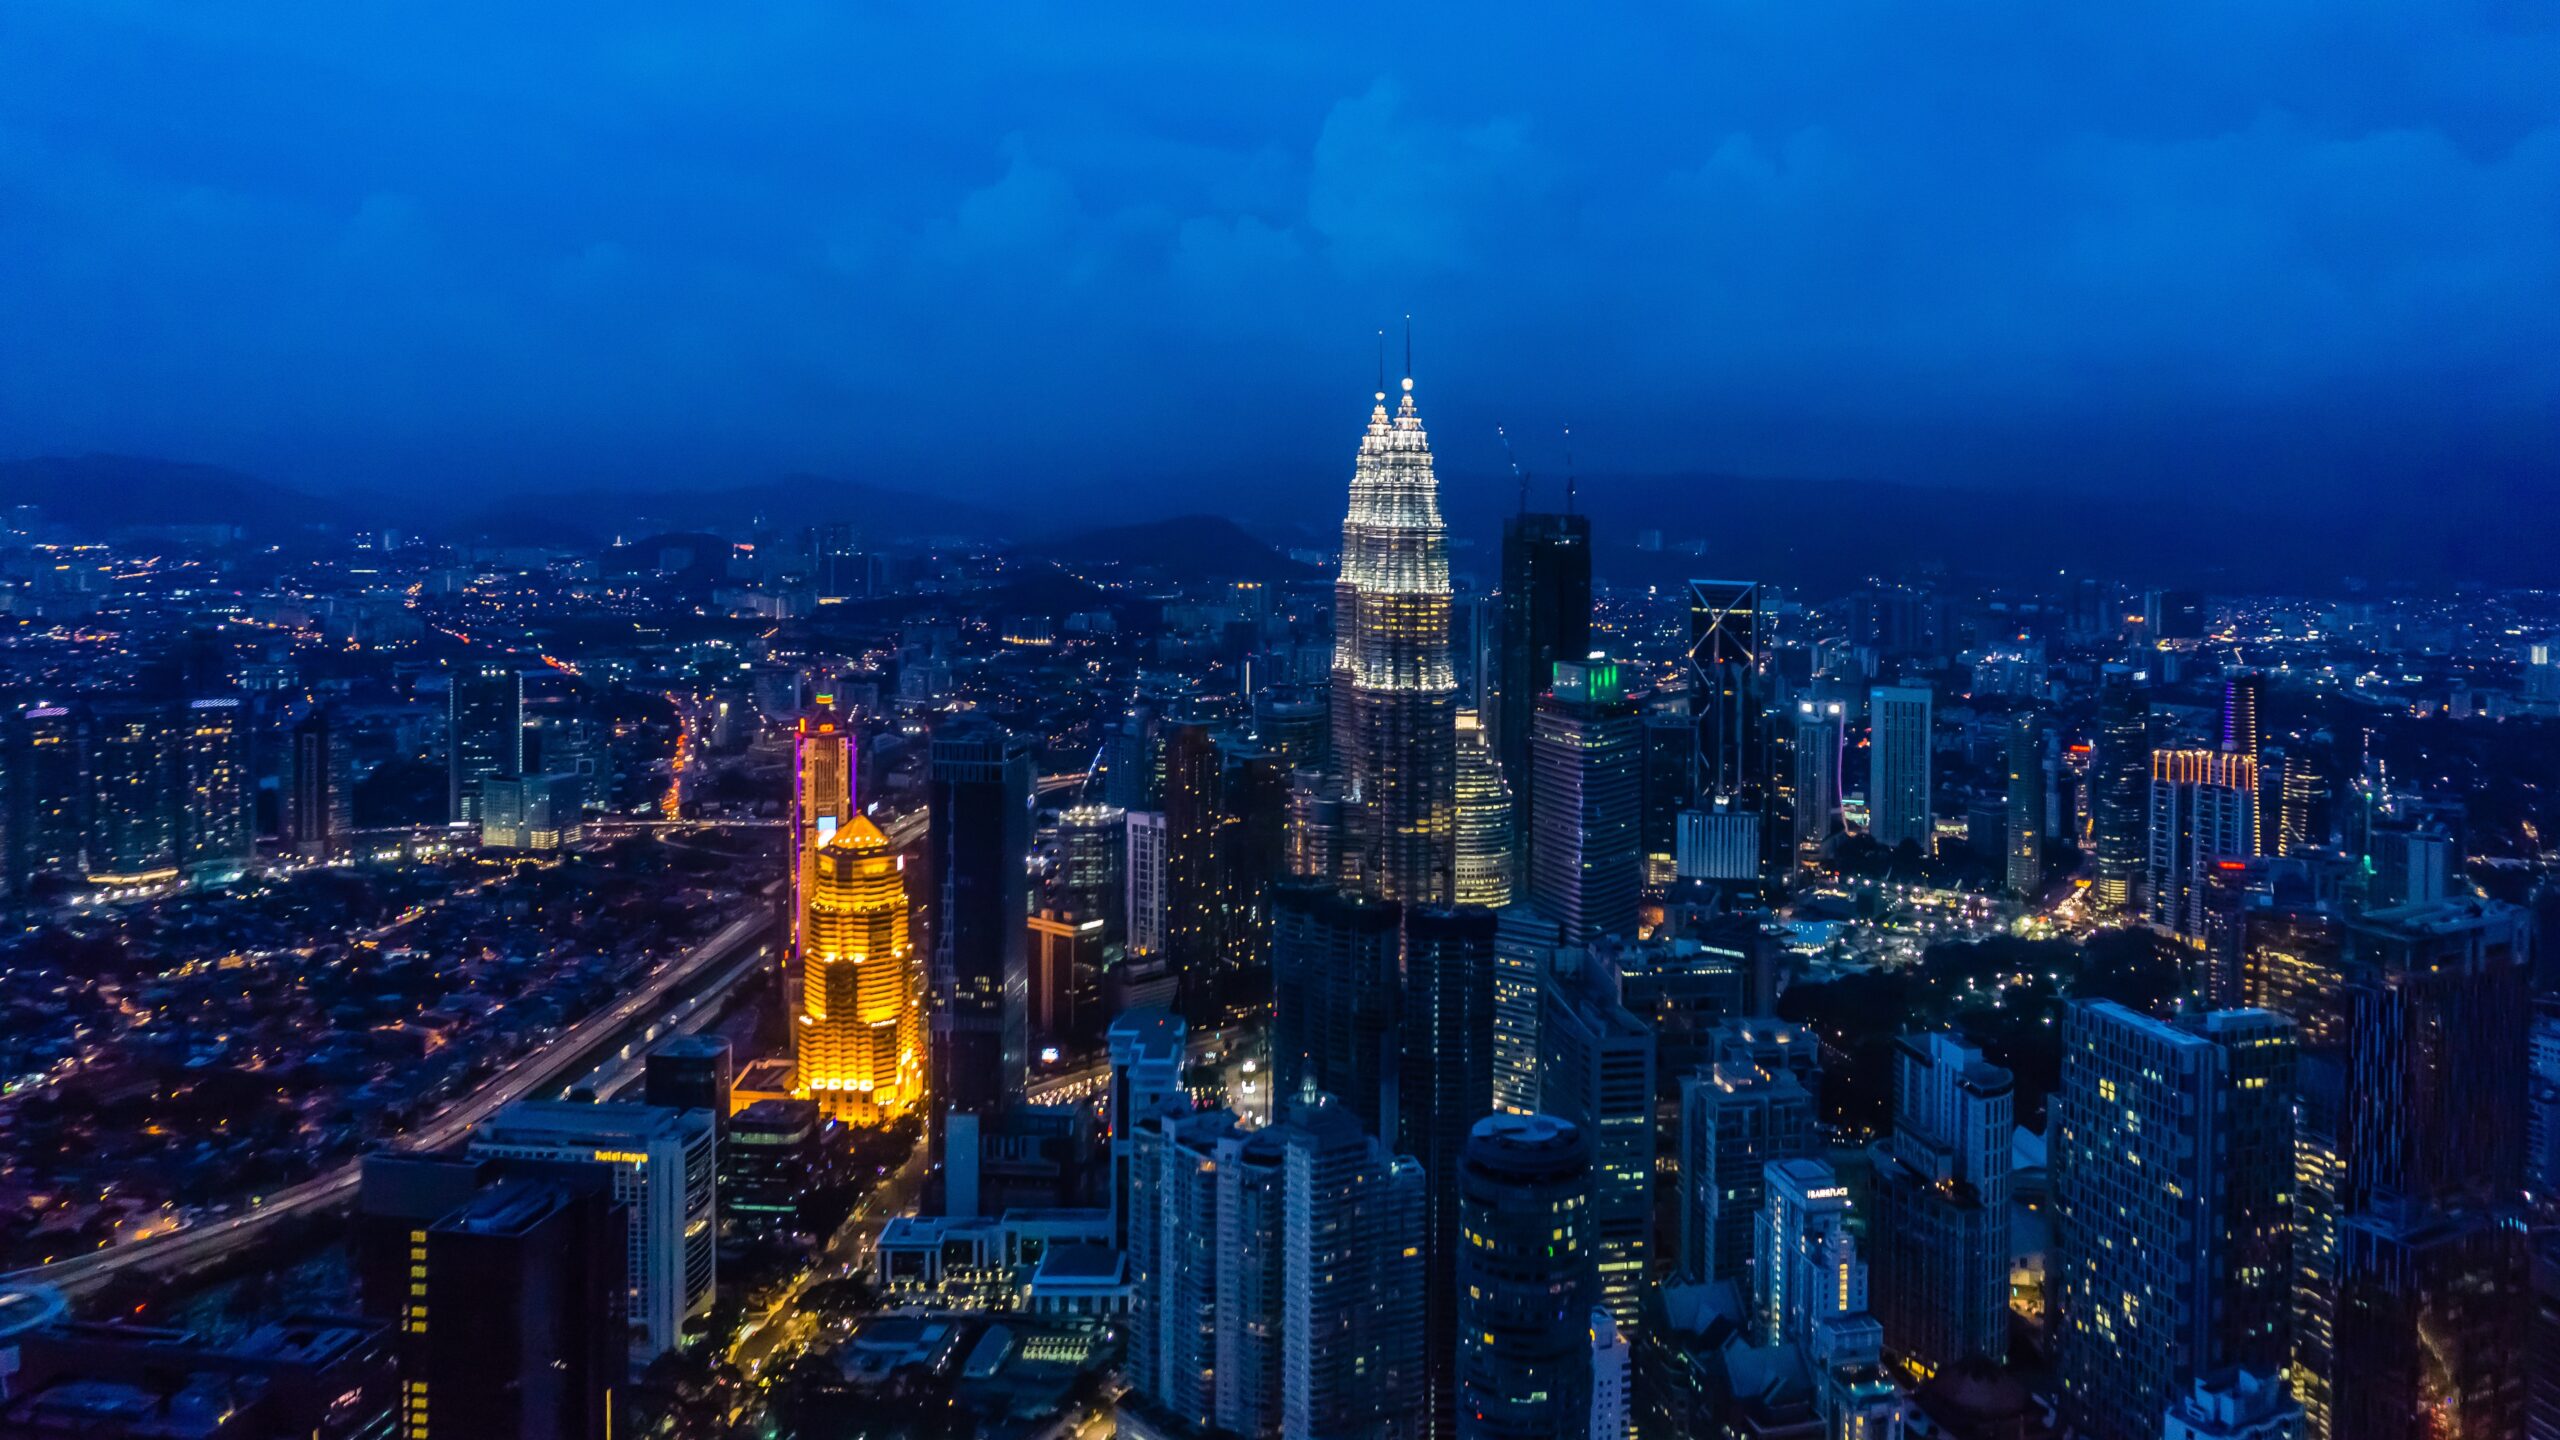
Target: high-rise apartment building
{"x": 1147, "y": 880}
{"x": 322, "y": 809}
{"x": 1337, "y": 980}
{"x": 1524, "y": 1281}
{"x": 484, "y": 733}
{"x": 1546, "y": 617}
{"x": 1394, "y": 687}
{"x": 1585, "y": 870}
{"x": 1526, "y": 943}
{"x": 1899, "y": 767}
{"x": 1148, "y": 1048}
{"x": 1941, "y": 1235}
{"x": 978, "y": 797}
{"x": 665, "y": 1174}
{"x": 860, "y": 1033}
{"x": 2172, "y": 1161}
{"x": 133, "y": 819}
{"x": 217, "y": 800}
{"x": 2204, "y": 807}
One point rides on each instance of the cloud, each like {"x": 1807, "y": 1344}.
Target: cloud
{"x": 398, "y": 244}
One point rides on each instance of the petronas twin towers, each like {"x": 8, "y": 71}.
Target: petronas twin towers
{"x": 1395, "y": 692}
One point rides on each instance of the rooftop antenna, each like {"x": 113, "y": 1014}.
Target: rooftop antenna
{"x": 1516, "y": 471}
{"x": 1568, "y": 469}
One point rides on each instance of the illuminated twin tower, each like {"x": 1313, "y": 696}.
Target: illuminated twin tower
{"x": 1395, "y": 738}
{"x": 860, "y": 1031}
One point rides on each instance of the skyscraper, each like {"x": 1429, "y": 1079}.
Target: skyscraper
{"x": 1147, "y": 879}
{"x": 2204, "y": 807}
{"x": 2431, "y": 1311}
{"x": 1898, "y": 768}
{"x": 1524, "y": 1281}
{"x": 1596, "y": 1072}
{"x": 1525, "y": 945}
{"x": 665, "y": 1174}
{"x": 50, "y": 829}
{"x": 1814, "y": 753}
{"x": 1147, "y": 1049}
{"x": 1585, "y": 871}
{"x": 861, "y": 1040}
{"x": 1351, "y": 1323}
{"x": 1805, "y": 1267}
{"x": 1941, "y": 1237}
{"x": 2172, "y": 1160}
{"x": 978, "y": 796}
{"x": 484, "y": 733}
{"x": 2119, "y": 808}
{"x": 2243, "y": 692}
{"x": 1394, "y": 688}
{"x": 2287, "y": 788}
{"x": 1486, "y": 849}
{"x": 515, "y": 1318}
{"x": 1728, "y": 647}
{"x": 217, "y": 809}
{"x": 1546, "y": 617}
{"x": 1337, "y": 984}
{"x": 1738, "y": 1114}
{"x": 2026, "y": 805}
{"x": 1195, "y": 882}
{"x": 133, "y": 822}
{"x": 322, "y": 808}
{"x": 1446, "y": 1086}
{"x": 822, "y": 785}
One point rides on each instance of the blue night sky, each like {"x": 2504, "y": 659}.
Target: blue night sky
{"x": 2290, "y": 244}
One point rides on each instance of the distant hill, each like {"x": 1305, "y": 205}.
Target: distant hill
{"x": 1182, "y": 548}
{"x": 105, "y": 492}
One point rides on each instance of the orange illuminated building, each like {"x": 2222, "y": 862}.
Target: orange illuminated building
{"x": 861, "y": 1031}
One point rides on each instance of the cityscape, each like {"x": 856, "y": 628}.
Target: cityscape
{"x": 1488, "y": 934}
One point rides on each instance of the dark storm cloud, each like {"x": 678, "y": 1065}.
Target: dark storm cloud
{"x": 2300, "y": 242}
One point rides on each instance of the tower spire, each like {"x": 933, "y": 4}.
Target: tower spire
{"x": 1568, "y": 469}
{"x": 1382, "y": 363}
{"x": 1408, "y": 349}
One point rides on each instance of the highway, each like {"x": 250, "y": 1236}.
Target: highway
{"x": 545, "y": 1068}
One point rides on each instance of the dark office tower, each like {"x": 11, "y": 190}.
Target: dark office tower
{"x": 1289, "y": 723}
{"x": 485, "y": 733}
{"x": 516, "y": 1324}
{"x": 690, "y": 1072}
{"x": 133, "y": 822}
{"x": 2172, "y": 1160}
{"x": 2026, "y": 805}
{"x": 978, "y": 795}
{"x": 1585, "y": 871}
{"x": 1336, "y": 980}
{"x": 769, "y": 1162}
{"x": 1089, "y": 867}
{"x": 2243, "y": 696}
{"x": 1728, "y": 649}
{"x": 1900, "y": 759}
{"x": 1596, "y": 1072}
{"x": 2173, "y": 615}
{"x": 1193, "y": 895}
{"x": 1940, "y": 1272}
{"x": 1670, "y": 754}
{"x": 1813, "y": 753}
{"x": 1133, "y": 769}
{"x": 1395, "y": 694}
{"x": 2119, "y": 778}
{"x": 1546, "y": 617}
{"x": 2432, "y": 1308}
{"x": 1524, "y": 1281}
{"x": 323, "y": 800}
{"x": 1752, "y": 1104}
{"x": 1446, "y": 1087}
{"x": 217, "y": 808}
